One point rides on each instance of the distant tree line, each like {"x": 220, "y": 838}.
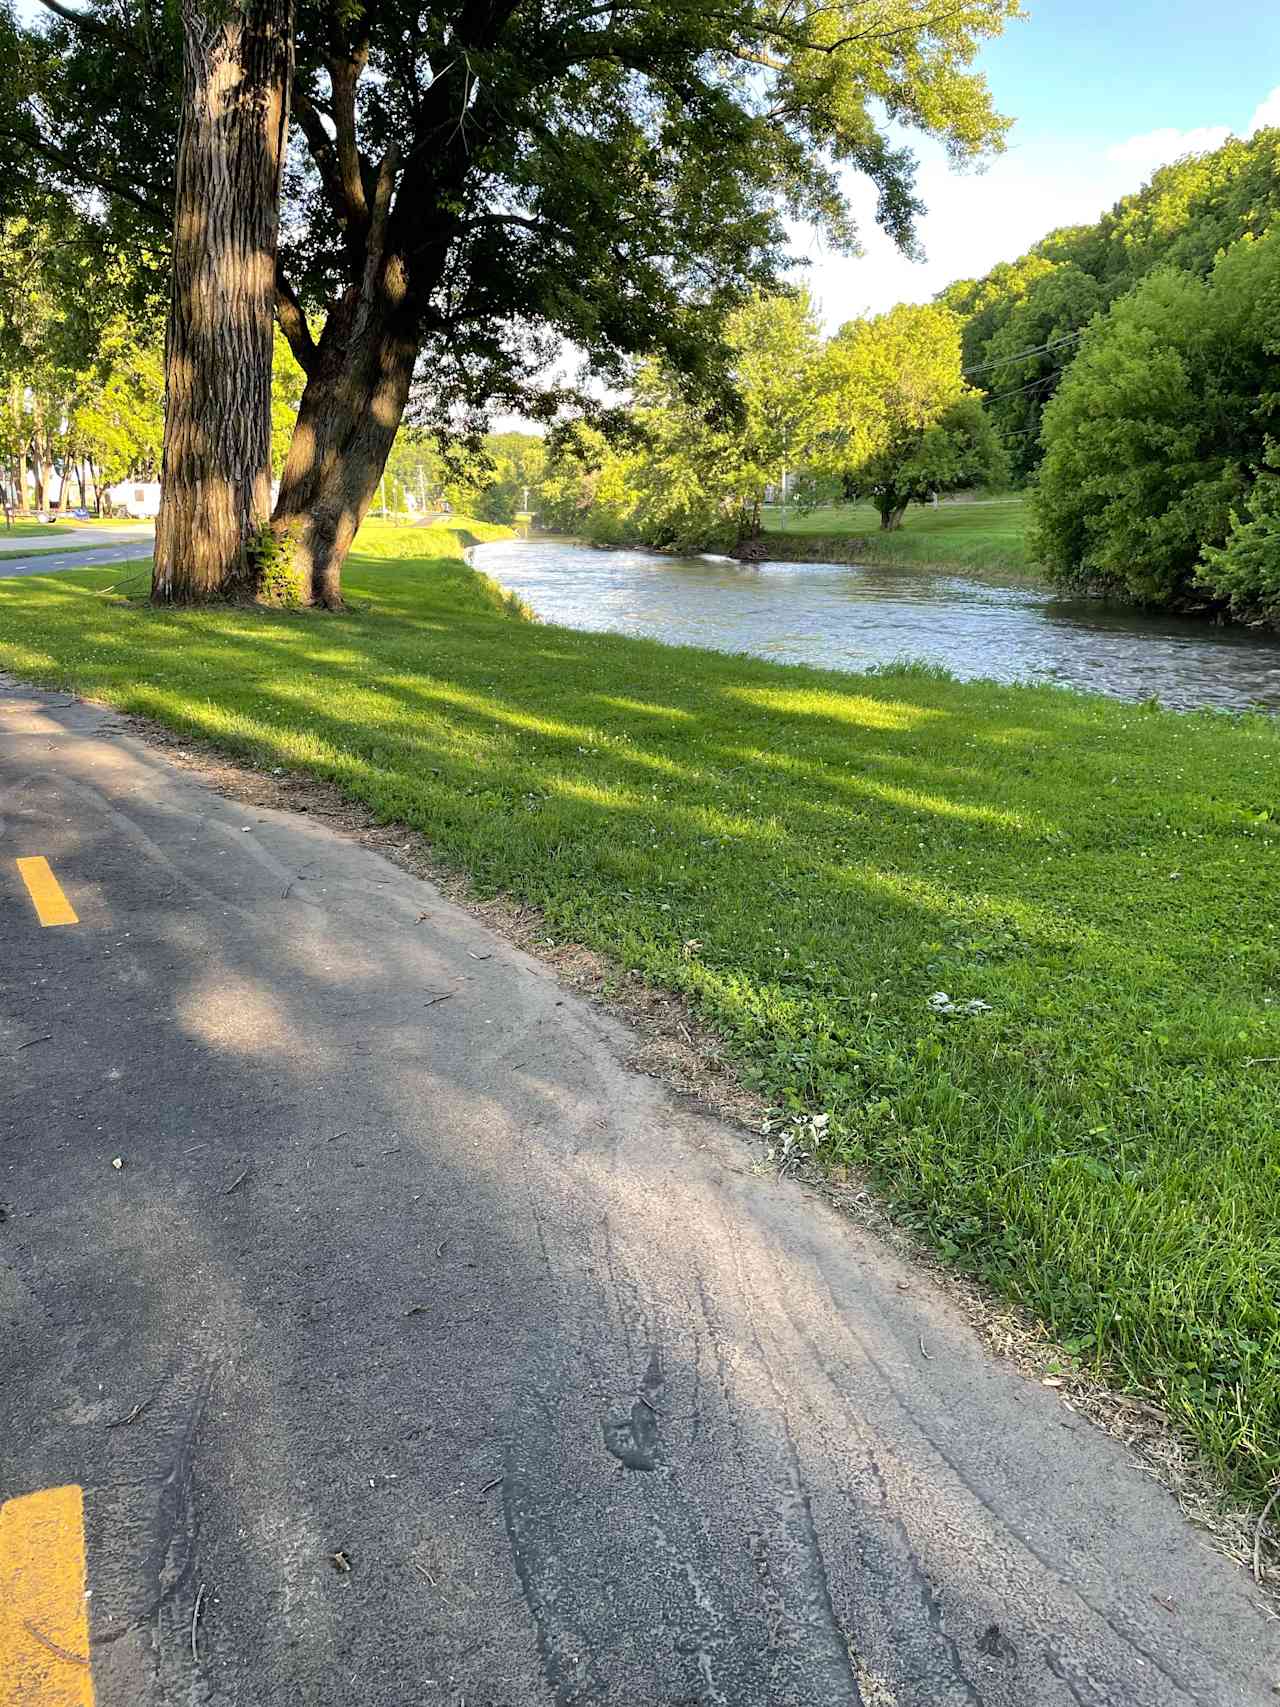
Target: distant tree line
{"x": 82, "y": 366}
{"x": 1130, "y": 368}
{"x": 81, "y": 382}
{"x": 879, "y": 411}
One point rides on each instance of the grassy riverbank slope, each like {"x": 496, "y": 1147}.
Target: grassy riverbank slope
{"x": 810, "y": 857}
{"x": 969, "y": 535}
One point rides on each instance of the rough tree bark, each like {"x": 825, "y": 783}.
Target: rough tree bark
{"x": 347, "y": 421}
{"x": 360, "y": 372}
{"x": 215, "y": 489}
{"x": 358, "y": 379}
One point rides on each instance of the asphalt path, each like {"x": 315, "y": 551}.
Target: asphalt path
{"x": 371, "y": 1333}
{"x": 45, "y": 559}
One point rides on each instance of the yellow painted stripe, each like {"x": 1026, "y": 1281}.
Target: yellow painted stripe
{"x": 44, "y": 1619}
{"x": 52, "y": 906}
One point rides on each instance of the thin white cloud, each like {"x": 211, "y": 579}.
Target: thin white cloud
{"x": 1158, "y": 147}
{"x": 1154, "y": 148}
{"x": 975, "y": 220}
{"x": 1267, "y": 113}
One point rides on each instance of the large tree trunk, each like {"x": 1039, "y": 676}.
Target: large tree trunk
{"x": 215, "y": 482}
{"x": 891, "y": 514}
{"x": 355, "y": 396}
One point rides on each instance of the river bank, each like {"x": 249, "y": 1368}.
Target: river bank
{"x": 979, "y": 537}
{"x": 894, "y": 550}
{"x": 1003, "y": 947}
{"x": 993, "y": 626}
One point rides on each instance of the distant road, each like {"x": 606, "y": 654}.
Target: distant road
{"x": 87, "y": 548}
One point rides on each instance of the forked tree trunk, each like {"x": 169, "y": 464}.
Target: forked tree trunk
{"x": 891, "y": 515}
{"x": 354, "y": 399}
{"x": 215, "y": 482}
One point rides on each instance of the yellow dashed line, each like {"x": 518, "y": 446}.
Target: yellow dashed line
{"x": 44, "y": 1620}
{"x": 52, "y": 906}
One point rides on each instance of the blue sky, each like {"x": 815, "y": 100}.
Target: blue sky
{"x": 1102, "y": 94}
{"x": 1085, "y": 67}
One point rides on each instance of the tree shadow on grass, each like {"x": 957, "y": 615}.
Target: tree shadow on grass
{"x": 809, "y": 858}
{"x": 476, "y": 1368}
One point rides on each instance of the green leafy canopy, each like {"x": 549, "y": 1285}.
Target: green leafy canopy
{"x": 613, "y": 176}
{"x": 1158, "y": 433}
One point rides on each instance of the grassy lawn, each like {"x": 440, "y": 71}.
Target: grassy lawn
{"x": 809, "y": 857}
{"x": 970, "y": 534}
{"x": 54, "y": 531}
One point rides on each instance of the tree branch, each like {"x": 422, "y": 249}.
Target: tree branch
{"x": 344, "y": 75}
{"x": 90, "y": 179}
{"x": 524, "y": 220}
{"x": 91, "y": 25}
{"x": 378, "y": 220}
{"x": 293, "y": 323}
{"x": 321, "y": 148}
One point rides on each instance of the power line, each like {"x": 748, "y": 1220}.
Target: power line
{"x": 1037, "y": 350}
{"x": 1045, "y": 379}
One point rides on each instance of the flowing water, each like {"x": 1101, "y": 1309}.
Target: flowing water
{"x": 847, "y": 618}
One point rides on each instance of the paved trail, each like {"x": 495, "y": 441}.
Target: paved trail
{"x": 431, "y": 1355}
{"x": 56, "y": 558}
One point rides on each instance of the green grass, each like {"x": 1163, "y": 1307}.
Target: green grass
{"x": 53, "y": 531}
{"x": 808, "y": 856}
{"x": 398, "y": 538}
{"x": 971, "y": 534}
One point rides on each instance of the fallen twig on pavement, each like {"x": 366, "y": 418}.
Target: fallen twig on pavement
{"x": 195, "y": 1619}
{"x": 134, "y": 1414}
{"x": 53, "y": 1647}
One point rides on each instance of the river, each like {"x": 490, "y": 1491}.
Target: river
{"x": 848, "y": 618}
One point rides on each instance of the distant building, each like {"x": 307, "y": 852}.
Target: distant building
{"x": 139, "y": 499}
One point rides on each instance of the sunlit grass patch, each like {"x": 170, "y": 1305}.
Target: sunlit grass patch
{"x": 1098, "y": 1142}
{"x": 971, "y": 536}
